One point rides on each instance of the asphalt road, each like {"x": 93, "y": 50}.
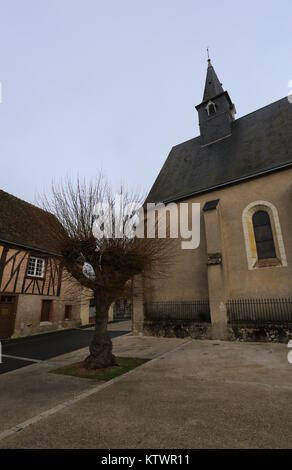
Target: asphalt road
{"x": 26, "y": 351}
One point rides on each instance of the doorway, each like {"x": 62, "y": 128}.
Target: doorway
{"x": 46, "y": 314}
{"x": 7, "y": 315}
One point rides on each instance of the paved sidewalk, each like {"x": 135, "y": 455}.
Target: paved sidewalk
{"x": 32, "y": 390}
{"x": 24, "y": 351}
{"x": 194, "y": 394}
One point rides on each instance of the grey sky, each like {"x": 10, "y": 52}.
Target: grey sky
{"x": 90, "y": 84}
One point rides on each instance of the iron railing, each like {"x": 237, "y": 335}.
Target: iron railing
{"x": 123, "y": 312}
{"x": 196, "y": 311}
{"x": 260, "y": 312}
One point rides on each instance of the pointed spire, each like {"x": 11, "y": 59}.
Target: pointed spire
{"x": 213, "y": 87}
{"x": 215, "y": 118}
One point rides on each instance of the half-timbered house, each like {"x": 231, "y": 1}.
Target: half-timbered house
{"x": 34, "y": 295}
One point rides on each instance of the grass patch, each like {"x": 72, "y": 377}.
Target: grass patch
{"x": 124, "y": 364}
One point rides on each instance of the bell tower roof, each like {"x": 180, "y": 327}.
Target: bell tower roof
{"x": 216, "y": 112}
{"x": 213, "y": 86}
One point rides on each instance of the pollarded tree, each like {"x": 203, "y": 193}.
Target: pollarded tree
{"x": 97, "y": 237}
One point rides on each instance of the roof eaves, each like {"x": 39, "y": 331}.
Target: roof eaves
{"x": 27, "y": 247}
{"x": 179, "y": 197}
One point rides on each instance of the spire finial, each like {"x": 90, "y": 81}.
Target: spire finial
{"x": 208, "y": 54}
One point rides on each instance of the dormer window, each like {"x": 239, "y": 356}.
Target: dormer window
{"x": 211, "y": 108}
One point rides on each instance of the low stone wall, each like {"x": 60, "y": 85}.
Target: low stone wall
{"x": 267, "y": 334}
{"x": 177, "y": 329}
{"x": 184, "y": 329}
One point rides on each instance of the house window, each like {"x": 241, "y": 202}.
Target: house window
{"x": 36, "y": 267}
{"x": 7, "y": 299}
{"x": 263, "y": 235}
{"x": 68, "y": 312}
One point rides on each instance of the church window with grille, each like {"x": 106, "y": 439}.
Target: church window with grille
{"x": 263, "y": 235}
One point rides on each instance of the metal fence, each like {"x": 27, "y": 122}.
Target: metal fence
{"x": 196, "y": 311}
{"x": 122, "y": 312}
{"x": 260, "y": 312}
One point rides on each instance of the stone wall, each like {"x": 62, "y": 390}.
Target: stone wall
{"x": 190, "y": 277}
{"x": 28, "y": 322}
{"x": 269, "y": 333}
{"x": 189, "y": 329}
{"x": 177, "y": 329}
{"x": 187, "y": 278}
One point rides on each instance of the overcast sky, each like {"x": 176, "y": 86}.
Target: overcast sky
{"x": 113, "y": 84}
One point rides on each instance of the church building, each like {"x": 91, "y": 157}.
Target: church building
{"x": 238, "y": 282}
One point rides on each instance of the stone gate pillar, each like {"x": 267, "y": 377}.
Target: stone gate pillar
{"x": 216, "y": 284}
{"x": 138, "y": 305}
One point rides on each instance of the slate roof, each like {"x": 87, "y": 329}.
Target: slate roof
{"x": 25, "y": 225}
{"x": 261, "y": 142}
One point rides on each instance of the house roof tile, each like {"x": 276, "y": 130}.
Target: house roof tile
{"x": 26, "y": 225}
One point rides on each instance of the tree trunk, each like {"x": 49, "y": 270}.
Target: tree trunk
{"x": 101, "y": 345}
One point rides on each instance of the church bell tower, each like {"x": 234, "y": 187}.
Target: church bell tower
{"x": 216, "y": 112}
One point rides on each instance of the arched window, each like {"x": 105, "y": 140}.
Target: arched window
{"x": 211, "y": 108}
{"x": 263, "y": 235}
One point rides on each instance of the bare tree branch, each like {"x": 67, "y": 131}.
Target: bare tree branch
{"x": 104, "y": 264}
